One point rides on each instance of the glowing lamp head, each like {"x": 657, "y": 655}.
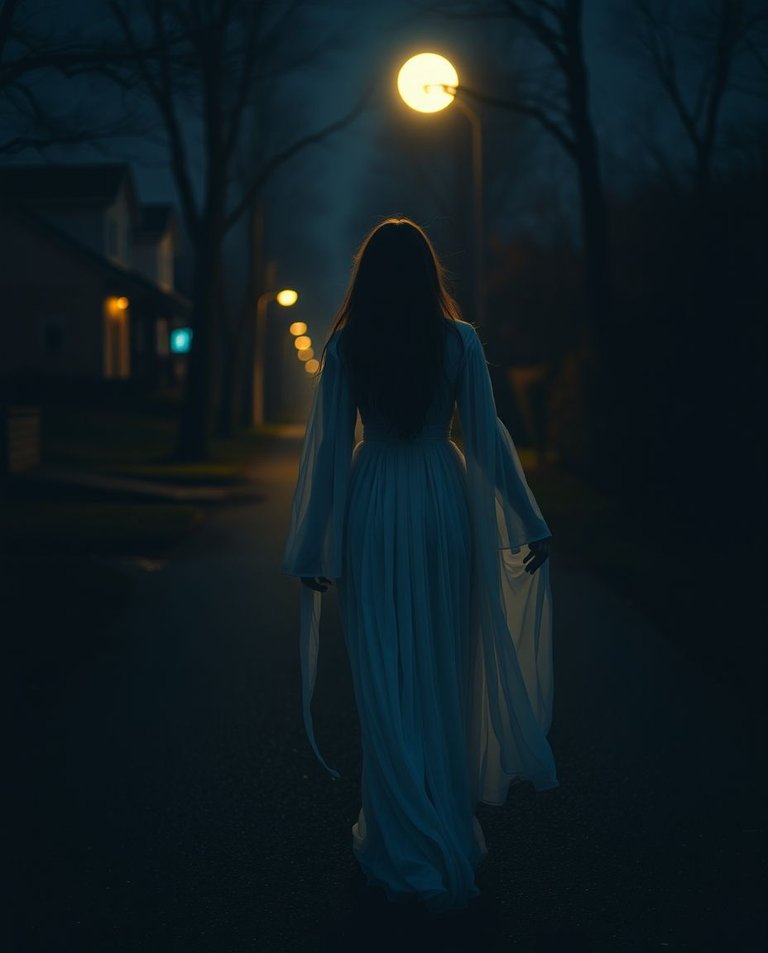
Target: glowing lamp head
{"x": 297, "y": 328}
{"x": 287, "y": 297}
{"x": 427, "y": 82}
{"x": 122, "y": 303}
{"x": 312, "y": 365}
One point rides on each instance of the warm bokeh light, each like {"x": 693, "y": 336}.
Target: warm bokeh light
{"x": 302, "y": 342}
{"x": 116, "y": 307}
{"x": 311, "y": 366}
{"x": 287, "y": 297}
{"x": 306, "y": 354}
{"x": 422, "y": 80}
{"x": 297, "y": 328}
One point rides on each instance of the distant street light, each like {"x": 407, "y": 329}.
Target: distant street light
{"x": 287, "y": 297}
{"x": 429, "y": 83}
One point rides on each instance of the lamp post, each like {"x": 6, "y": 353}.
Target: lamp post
{"x": 429, "y": 83}
{"x": 286, "y": 298}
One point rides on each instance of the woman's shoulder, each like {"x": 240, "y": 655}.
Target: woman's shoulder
{"x": 467, "y": 332}
{"x": 334, "y": 340}
{"x": 466, "y": 329}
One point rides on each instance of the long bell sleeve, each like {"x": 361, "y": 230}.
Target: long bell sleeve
{"x": 314, "y": 545}
{"x": 511, "y": 683}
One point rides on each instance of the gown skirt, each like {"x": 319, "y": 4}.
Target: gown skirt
{"x": 405, "y": 606}
{"x": 448, "y": 638}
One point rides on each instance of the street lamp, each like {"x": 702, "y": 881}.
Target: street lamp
{"x": 286, "y": 298}
{"x": 429, "y": 83}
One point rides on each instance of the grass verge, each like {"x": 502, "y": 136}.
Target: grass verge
{"x": 139, "y": 445}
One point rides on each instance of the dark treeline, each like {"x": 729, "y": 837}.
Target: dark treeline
{"x": 625, "y": 285}
{"x": 682, "y": 425}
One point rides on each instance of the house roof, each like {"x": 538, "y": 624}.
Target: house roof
{"x": 155, "y": 221}
{"x": 94, "y": 184}
{"x": 126, "y": 280}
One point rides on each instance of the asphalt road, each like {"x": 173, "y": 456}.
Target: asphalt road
{"x": 162, "y": 795}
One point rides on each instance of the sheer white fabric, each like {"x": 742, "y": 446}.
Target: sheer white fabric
{"x": 316, "y": 535}
{"x": 449, "y": 639}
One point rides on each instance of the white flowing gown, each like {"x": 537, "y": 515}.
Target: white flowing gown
{"x": 449, "y": 639}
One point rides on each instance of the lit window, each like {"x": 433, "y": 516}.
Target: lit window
{"x": 181, "y": 340}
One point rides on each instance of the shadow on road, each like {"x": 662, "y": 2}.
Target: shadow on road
{"x": 378, "y": 925}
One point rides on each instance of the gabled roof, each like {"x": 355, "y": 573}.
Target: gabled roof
{"x": 131, "y": 281}
{"x": 155, "y": 221}
{"x": 42, "y": 184}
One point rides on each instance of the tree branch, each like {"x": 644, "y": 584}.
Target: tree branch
{"x": 526, "y": 109}
{"x": 272, "y": 164}
{"x": 731, "y": 15}
{"x": 663, "y": 58}
{"x": 244, "y": 86}
{"x": 7, "y": 12}
{"x": 162, "y": 95}
{"x": 549, "y": 38}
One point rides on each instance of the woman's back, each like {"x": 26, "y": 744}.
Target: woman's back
{"x": 404, "y": 596}
{"x": 448, "y": 635}
{"x": 441, "y": 410}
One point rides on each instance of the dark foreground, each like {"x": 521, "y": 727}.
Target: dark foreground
{"x": 161, "y": 795}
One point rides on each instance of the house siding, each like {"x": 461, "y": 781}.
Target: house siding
{"x": 84, "y": 224}
{"x": 70, "y": 299}
{"x": 154, "y": 260}
{"x": 119, "y": 215}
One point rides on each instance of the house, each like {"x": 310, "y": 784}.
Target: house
{"x": 86, "y": 277}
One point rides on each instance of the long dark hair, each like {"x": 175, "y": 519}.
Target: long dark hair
{"x": 396, "y": 314}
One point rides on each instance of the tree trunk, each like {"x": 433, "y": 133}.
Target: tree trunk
{"x": 235, "y": 408}
{"x": 229, "y": 391}
{"x": 594, "y": 215}
{"x": 256, "y": 285}
{"x": 602, "y": 399}
{"x": 195, "y": 423}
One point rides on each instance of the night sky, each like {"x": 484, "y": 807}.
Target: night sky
{"x": 320, "y": 203}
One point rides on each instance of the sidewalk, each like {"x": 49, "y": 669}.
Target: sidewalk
{"x": 124, "y": 486}
{"x": 250, "y": 487}
{"x": 173, "y": 791}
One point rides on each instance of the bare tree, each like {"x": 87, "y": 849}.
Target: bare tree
{"x": 202, "y": 62}
{"x": 695, "y": 52}
{"x": 268, "y": 126}
{"x": 554, "y": 93}
{"x": 29, "y": 56}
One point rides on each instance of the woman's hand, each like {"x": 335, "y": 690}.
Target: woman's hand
{"x": 538, "y": 554}
{"x": 316, "y": 582}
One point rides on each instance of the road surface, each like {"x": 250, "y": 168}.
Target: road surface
{"x": 163, "y": 796}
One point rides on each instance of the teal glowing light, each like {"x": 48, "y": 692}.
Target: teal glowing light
{"x": 181, "y": 340}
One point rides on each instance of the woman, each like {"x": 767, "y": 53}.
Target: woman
{"x": 447, "y": 622}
